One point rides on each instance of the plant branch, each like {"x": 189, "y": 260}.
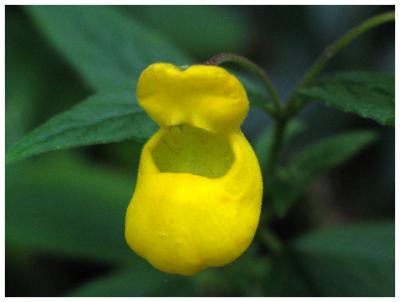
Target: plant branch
{"x": 333, "y": 49}
{"x": 235, "y": 58}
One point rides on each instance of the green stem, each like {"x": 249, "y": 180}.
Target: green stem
{"x": 231, "y": 57}
{"x": 333, "y": 49}
{"x": 277, "y": 138}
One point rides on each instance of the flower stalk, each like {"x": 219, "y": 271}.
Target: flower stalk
{"x": 251, "y": 66}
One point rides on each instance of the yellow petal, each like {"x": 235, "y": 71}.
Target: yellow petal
{"x": 198, "y": 195}
{"x": 203, "y": 96}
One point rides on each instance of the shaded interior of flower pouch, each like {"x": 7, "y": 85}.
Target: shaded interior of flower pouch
{"x": 186, "y": 149}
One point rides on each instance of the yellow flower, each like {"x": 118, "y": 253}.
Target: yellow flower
{"x": 198, "y": 195}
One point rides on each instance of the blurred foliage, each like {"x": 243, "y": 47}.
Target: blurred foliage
{"x": 327, "y": 227}
{"x": 263, "y": 143}
{"x": 87, "y": 37}
{"x": 291, "y": 181}
{"x": 201, "y": 30}
{"x": 68, "y": 207}
{"x": 349, "y": 260}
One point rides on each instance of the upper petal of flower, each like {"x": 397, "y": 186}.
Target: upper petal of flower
{"x": 203, "y": 96}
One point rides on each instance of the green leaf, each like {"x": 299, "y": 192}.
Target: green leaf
{"x": 28, "y": 90}
{"x": 109, "y": 50}
{"x": 141, "y": 280}
{"x": 330, "y": 152}
{"x": 70, "y": 208}
{"x": 201, "y": 30}
{"x": 103, "y": 118}
{"x": 353, "y": 260}
{"x": 263, "y": 143}
{"x": 367, "y": 94}
{"x": 105, "y": 46}
{"x": 20, "y": 103}
{"x": 285, "y": 279}
{"x": 291, "y": 181}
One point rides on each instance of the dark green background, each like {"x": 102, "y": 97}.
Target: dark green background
{"x": 65, "y": 210}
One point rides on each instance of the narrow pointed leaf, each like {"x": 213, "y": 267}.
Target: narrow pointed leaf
{"x": 103, "y": 118}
